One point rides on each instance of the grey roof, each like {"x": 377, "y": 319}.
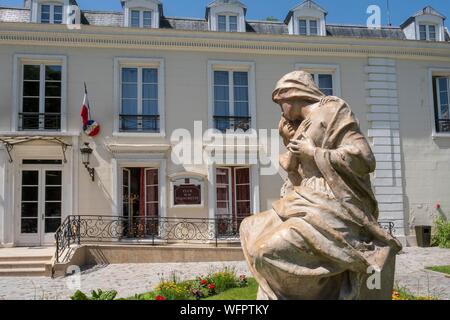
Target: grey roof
{"x": 115, "y": 19}
{"x": 107, "y": 19}
{"x": 14, "y": 15}
{"x": 364, "y": 32}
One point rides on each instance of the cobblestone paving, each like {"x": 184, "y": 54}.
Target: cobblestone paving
{"x": 129, "y": 279}
{"x": 410, "y": 272}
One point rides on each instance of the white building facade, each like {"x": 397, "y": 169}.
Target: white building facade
{"x": 149, "y": 75}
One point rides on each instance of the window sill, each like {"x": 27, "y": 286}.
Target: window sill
{"x": 139, "y": 134}
{"x": 440, "y": 135}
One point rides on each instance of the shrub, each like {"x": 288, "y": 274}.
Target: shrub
{"x": 95, "y": 295}
{"x": 441, "y": 236}
{"x": 224, "y": 280}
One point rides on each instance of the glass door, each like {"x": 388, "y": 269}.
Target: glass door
{"x": 40, "y": 206}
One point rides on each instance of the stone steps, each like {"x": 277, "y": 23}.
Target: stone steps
{"x": 25, "y": 272}
{"x": 25, "y": 266}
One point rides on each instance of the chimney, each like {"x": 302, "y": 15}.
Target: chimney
{"x": 27, "y": 4}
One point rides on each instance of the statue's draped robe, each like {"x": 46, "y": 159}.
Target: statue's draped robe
{"x": 321, "y": 237}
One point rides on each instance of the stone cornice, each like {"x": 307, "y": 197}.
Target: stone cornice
{"x": 163, "y": 39}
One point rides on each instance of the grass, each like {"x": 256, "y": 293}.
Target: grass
{"x": 246, "y": 293}
{"x": 442, "y": 269}
{"x": 404, "y": 294}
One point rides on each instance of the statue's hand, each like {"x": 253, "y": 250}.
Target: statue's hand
{"x": 304, "y": 146}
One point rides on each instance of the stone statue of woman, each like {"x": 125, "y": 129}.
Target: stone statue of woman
{"x": 321, "y": 240}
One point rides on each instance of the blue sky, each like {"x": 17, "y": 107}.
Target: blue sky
{"x": 339, "y": 11}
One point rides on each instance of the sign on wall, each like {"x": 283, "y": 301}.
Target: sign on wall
{"x": 187, "y": 191}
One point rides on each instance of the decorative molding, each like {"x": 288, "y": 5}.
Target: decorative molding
{"x": 118, "y": 148}
{"x": 384, "y": 120}
{"x": 130, "y": 38}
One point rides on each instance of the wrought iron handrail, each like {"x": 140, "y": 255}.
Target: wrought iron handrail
{"x": 139, "y": 123}
{"x": 78, "y": 229}
{"x": 39, "y": 121}
{"x": 443, "y": 125}
{"x": 94, "y": 228}
{"x": 224, "y": 123}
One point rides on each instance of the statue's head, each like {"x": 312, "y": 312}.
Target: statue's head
{"x": 296, "y": 90}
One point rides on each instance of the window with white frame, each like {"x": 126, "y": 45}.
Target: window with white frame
{"x": 441, "y": 103}
{"x": 428, "y": 32}
{"x": 231, "y": 100}
{"x": 326, "y": 77}
{"x": 51, "y": 13}
{"x": 40, "y": 97}
{"x": 325, "y": 82}
{"x": 308, "y": 27}
{"x": 140, "y": 18}
{"x": 227, "y": 23}
{"x": 139, "y": 105}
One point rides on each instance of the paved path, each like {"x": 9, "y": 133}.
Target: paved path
{"x": 410, "y": 272}
{"x": 129, "y": 279}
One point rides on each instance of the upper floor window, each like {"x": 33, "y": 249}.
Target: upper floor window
{"x": 140, "y": 19}
{"x": 326, "y": 77}
{"x": 308, "y": 27}
{"x": 325, "y": 82}
{"x": 441, "y": 103}
{"x": 231, "y": 100}
{"x": 227, "y": 23}
{"x": 427, "y": 32}
{"x": 51, "y": 13}
{"x": 41, "y": 97}
{"x": 139, "y": 100}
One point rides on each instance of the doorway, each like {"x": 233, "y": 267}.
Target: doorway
{"x": 40, "y": 196}
{"x": 140, "y": 197}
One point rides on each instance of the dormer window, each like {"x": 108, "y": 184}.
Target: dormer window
{"x": 51, "y": 13}
{"x": 141, "y": 19}
{"x": 226, "y": 16}
{"x": 427, "y": 32}
{"x": 307, "y": 19}
{"x": 142, "y": 13}
{"x": 227, "y": 23}
{"x": 308, "y": 27}
{"x": 425, "y": 25}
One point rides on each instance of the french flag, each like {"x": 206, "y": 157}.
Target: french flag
{"x": 90, "y": 127}
{"x": 85, "y": 109}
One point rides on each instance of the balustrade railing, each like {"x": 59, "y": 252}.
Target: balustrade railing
{"x": 76, "y": 230}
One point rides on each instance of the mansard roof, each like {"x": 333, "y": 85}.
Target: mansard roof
{"x": 115, "y": 19}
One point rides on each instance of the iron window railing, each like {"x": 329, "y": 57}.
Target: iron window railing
{"x": 443, "y": 125}
{"x": 139, "y": 123}
{"x": 39, "y": 121}
{"x": 224, "y": 123}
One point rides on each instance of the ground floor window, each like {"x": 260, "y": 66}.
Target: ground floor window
{"x": 233, "y": 197}
{"x": 140, "y": 194}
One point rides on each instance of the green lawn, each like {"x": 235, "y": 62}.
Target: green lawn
{"x": 442, "y": 269}
{"x": 247, "y": 293}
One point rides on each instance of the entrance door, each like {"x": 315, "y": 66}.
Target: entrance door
{"x": 40, "y": 206}
{"x": 140, "y": 202}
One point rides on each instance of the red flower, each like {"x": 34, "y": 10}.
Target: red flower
{"x": 203, "y": 282}
{"x": 160, "y": 298}
{"x": 211, "y": 286}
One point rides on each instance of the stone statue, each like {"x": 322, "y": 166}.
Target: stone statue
{"x": 321, "y": 240}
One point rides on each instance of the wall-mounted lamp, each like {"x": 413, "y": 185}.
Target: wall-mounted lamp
{"x": 86, "y": 152}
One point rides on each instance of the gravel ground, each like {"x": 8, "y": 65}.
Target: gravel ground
{"x": 129, "y": 279}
